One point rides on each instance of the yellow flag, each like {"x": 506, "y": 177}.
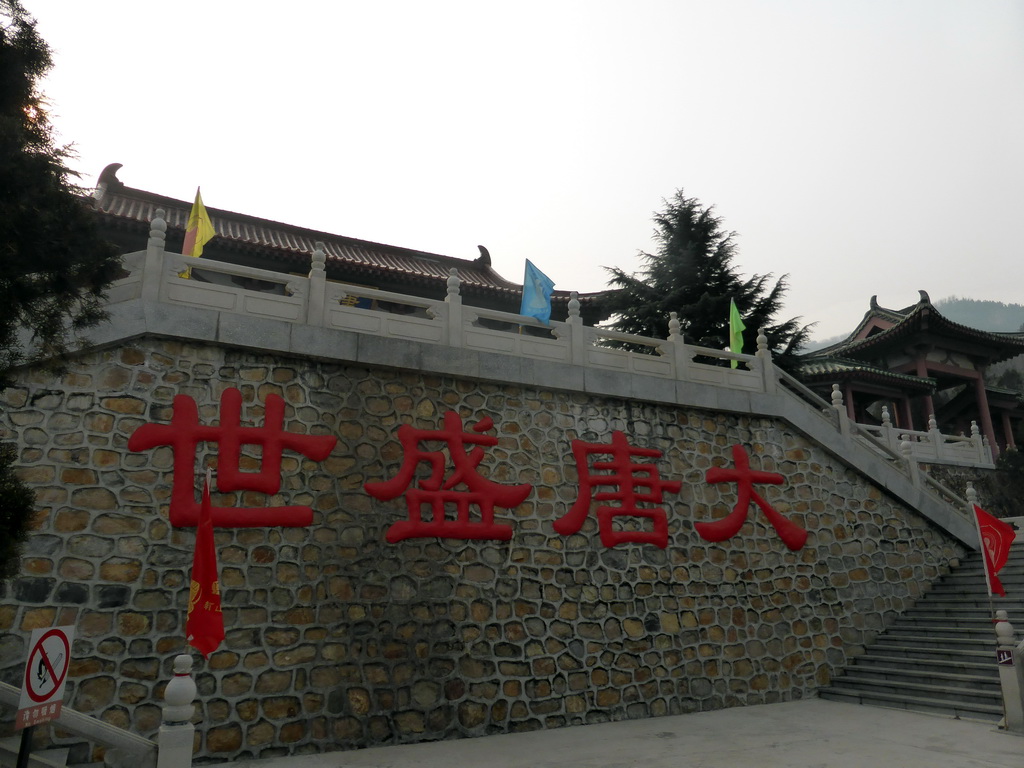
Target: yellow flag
{"x": 736, "y": 329}
{"x": 198, "y": 232}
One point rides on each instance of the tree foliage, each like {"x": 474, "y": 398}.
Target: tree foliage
{"x": 17, "y": 505}
{"x": 55, "y": 264}
{"x": 692, "y": 273}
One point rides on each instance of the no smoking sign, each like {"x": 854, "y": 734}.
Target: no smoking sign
{"x": 46, "y": 672}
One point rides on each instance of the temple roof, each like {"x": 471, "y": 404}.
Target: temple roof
{"x": 889, "y": 328}
{"x": 836, "y": 369}
{"x": 242, "y": 237}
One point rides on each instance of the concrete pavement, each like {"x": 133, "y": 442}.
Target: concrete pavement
{"x": 812, "y": 733}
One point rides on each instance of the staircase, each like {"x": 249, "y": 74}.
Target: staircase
{"x": 47, "y": 758}
{"x": 940, "y": 655}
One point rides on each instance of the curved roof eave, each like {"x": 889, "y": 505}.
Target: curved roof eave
{"x": 840, "y": 369}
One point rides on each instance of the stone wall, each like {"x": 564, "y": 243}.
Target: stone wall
{"x": 337, "y": 639}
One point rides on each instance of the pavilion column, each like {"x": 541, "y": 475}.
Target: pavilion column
{"x": 986, "y": 417}
{"x": 850, "y": 411}
{"x": 907, "y": 413}
{"x": 1008, "y": 430}
{"x": 929, "y": 404}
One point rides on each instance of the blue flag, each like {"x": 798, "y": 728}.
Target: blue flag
{"x": 537, "y": 288}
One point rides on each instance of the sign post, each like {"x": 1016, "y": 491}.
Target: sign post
{"x": 42, "y": 692}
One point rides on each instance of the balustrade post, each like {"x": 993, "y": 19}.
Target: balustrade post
{"x": 979, "y": 444}
{"x": 454, "y": 302}
{"x": 1011, "y": 676}
{"x": 991, "y": 453}
{"x": 764, "y": 354}
{"x": 574, "y": 327}
{"x": 316, "y": 300}
{"x": 840, "y": 409}
{"x": 972, "y": 499}
{"x": 153, "y": 267}
{"x": 888, "y": 432}
{"x": 935, "y": 437}
{"x": 683, "y": 356}
{"x": 907, "y": 450}
{"x": 177, "y": 733}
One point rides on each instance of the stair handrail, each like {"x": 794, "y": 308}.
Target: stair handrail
{"x": 948, "y": 495}
{"x": 128, "y": 750}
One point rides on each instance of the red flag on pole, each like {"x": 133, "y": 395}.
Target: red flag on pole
{"x": 996, "y": 538}
{"x": 204, "y": 627}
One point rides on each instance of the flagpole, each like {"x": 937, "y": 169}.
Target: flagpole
{"x": 972, "y": 500}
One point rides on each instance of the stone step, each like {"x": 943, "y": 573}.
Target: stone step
{"x": 43, "y": 758}
{"x": 901, "y": 677}
{"x": 977, "y": 582}
{"x": 987, "y": 713}
{"x": 982, "y": 645}
{"x": 957, "y": 695}
{"x": 941, "y": 629}
{"x": 928, "y": 662}
{"x": 954, "y": 655}
{"x": 957, "y": 620}
{"x": 981, "y": 614}
{"x": 957, "y": 601}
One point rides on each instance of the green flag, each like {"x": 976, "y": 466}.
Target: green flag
{"x": 736, "y": 329}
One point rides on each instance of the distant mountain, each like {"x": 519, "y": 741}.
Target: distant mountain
{"x": 816, "y": 344}
{"x": 986, "y": 315}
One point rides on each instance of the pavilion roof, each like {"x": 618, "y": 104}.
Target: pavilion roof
{"x": 917, "y": 322}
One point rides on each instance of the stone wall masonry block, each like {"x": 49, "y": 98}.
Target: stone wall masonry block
{"x": 337, "y": 639}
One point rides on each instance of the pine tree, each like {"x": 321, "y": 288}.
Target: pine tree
{"x": 54, "y": 266}
{"x": 692, "y": 273}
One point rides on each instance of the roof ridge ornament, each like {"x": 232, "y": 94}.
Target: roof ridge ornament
{"x": 107, "y": 181}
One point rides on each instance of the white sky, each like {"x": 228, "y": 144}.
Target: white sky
{"x": 862, "y": 146}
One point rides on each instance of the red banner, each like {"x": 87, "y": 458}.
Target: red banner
{"x": 996, "y": 538}
{"x": 204, "y": 627}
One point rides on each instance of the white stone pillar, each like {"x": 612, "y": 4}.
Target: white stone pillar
{"x": 153, "y": 269}
{"x": 935, "y": 437}
{"x": 454, "y": 302}
{"x": 316, "y": 299}
{"x": 842, "y": 420}
{"x": 683, "y": 355}
{"x": 577, "y": 334}
{"x": 1011, "y": 677}
{"x": 764, "y": 354}
{"x": 907, "y": 451}
{"x": 177, "y": 732}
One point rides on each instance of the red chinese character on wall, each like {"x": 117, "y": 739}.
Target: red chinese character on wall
{"x": 792, "y": 535}
{"x": 626, "y": 476}
{"x": 185, "y": 432}
{"x": 435, "y": 493}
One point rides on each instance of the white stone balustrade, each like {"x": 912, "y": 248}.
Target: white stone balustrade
{"x": 153, "y": 275}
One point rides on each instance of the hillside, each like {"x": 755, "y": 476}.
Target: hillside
{"x": 986, "y": 315}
